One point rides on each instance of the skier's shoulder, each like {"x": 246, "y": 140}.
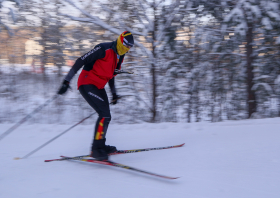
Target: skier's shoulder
{"x": 106, "y": 46}
{"x": 97, "y": 52}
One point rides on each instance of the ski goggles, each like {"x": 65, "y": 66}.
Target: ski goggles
{"x": 127, "y": 44}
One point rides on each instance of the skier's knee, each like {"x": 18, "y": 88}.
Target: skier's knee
{"x": 107, "y": 118}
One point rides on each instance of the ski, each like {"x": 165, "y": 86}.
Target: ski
{"x": 68, "y": 158}
{"x": 111, "y": 163}
{"x": 146, "y": 149}
{"x": 119, "y": 152}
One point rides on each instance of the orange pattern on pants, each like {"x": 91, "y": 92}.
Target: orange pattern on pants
{"x": 99, "y": 133}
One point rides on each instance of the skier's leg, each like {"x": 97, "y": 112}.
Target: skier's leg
{"x": 109, "y": 149}
{"x": 98, "y": 100}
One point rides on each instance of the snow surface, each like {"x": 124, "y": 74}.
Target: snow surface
{"x": 232, "y": 159}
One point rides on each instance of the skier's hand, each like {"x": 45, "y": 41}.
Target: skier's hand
{"x": 65, "y": 85}
{"x": 115, "y": 98}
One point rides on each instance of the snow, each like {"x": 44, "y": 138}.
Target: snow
{"x": 256, "y": 10}
{"x": 228, "y": 159}
{"x": 266, "y": 23}
{"x": 274, "y": 15}
{"x": 277, "y": 80}
{"x": 236, "y": 11}
{"x": 278, "y": 40}
{"x": 266, "y": 86}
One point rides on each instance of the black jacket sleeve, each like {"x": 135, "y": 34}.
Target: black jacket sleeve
{"x": 112, "y": 85}
{"x": 96, "y": 53}
{"x": 112, "y": 81}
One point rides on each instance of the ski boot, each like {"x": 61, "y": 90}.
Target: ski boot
{"x": 110, "y": 149}
{"x": 98, "y": 151}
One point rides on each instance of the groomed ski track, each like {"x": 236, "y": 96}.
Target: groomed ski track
{"x": 231, "y": 159}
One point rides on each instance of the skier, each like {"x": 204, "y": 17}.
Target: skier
{"x": 99, "y": 68}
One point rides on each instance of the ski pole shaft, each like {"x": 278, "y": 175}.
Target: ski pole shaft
{"x": 118, "y": 71}
{"x": 37, "y": 149}
{"x": 10, "y": 130}
{"x": 119, "y": 97}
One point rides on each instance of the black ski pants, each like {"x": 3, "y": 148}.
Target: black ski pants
{"x": 98, "y": 100}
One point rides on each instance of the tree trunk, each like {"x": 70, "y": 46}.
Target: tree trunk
{"x": 279, "y": 107}
{"x": 153, "y": 72}
{"x": 190, "y": 108}
{"x": 154, "y": 109}
{"x": 251, "y": 98}
{"x": 278, "y": 99}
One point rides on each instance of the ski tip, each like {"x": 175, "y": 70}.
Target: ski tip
{"x": 167, "y": 177}
{"x": 17, "y": 158}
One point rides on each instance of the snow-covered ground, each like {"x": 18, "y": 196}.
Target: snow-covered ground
{"x": 232, "y": 159}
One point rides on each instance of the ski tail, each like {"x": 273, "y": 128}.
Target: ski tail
{"x": 68, "y": 158}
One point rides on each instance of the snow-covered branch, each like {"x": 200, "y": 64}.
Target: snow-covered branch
{"x": 121, "y": 21}
{"x": 99, "y": 22}
{"x": 144, "y": 10}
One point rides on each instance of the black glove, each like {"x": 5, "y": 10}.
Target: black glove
{"x": 115, "y": 98}
{"x": 65, "y": 85}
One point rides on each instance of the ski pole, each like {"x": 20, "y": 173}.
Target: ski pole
{"x": 37, "y": 149}
{"x": 119, "y": 97}
{"x": 118, "y": 71}
{"x": 10, "y": 130}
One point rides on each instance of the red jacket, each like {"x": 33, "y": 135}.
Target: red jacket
{"x": 99, "y": 65}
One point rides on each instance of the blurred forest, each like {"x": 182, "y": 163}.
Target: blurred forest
{"x": 194, "y": 60}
